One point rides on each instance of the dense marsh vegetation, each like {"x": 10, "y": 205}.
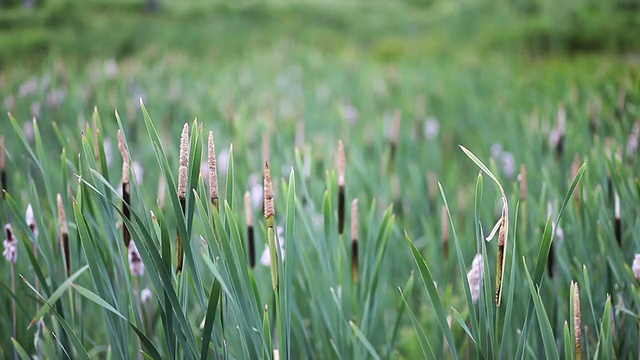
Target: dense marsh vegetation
{"x": 374, "y": 246}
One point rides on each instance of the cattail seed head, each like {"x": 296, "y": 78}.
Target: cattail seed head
{"x": 632, "y": 142}
{"x": 10, "y": 245}
{"x": 432, "y": 185}
{"x": 185, "y": 145}
{"x": 577, "y": 320}
{"x": 355, "y": 221}
{"x": 213, "y": 169}
{"x": 444, "y": 223}
{"x": 31, "y": 221}
{"x": 342, "y": 164}
{"x": 269, "y": 208}
{"x": 617, "y": 221}
{"x": 475, "y": 276}
{"x": 636, "y": 266}
{"x": 62, "y": 216}
{"x": 523, "y": 183}
{"x": 575, "y": 168}
{"x": 395, "y": 135}
{"x": 136, "y": 266}
{"x": 184, "y": 162}
{"x": 248, "y": 209}
{"x": 125, "y": 158}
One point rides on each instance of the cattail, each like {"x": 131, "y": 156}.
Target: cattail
{"x": 617, "y": 221}
{"x": 551, "y": 257}
{"x": 432, "y": 186}
{"x": 269, "y": 215}
{"x": 575, "y": 168}
{"x": 502, "y": 228}
{"x": 10, "y": 245}
{"x": 162, "y": 187}
{"x": 354, "y": 240}
{"x": 444, "y": 223}
{"x": 185, "y": 147}
{"x": 3, "y": 168}
{"x": 269, "y": 208}
{"x": 64, "y": 234}
{"x": 636, "y": 266}
{"x": 576, "y": 319}
{"x": 475, "y": 276}
{"x": 341, "y": 186}
{"x": 523, "y": 183}
{"x": 632, "y": 143}
{"x": 395, "y": 138}
{"x": 126, "y": 187}
{"x": 136, "y": 266}
{"x": 31, "y": 221}
{"x": 213, "y": 172}
{"x": 96, "y": 132}
{"x": 248, "y": 211}
{"x": 557, "y": 136}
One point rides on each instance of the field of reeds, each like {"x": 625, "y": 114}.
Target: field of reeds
{"x": 296, "y": 203}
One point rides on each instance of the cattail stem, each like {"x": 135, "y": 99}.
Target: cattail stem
{"x": 248, "y": 209}
{"x": 14, "y": 311}
{"x": 3, "y": 167}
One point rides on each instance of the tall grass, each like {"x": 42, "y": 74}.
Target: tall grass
{"x": 329, "y": 288}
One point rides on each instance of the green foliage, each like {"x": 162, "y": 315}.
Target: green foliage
{"x": 257, "y": 104}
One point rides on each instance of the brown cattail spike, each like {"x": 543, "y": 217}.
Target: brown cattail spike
{"x": 341, "y": 186}
{"x": 577, "y": 320}
{"x": 523, "y": 183}
{"x": 64, "y": 235}
{"x": 126, "y": 187}
{"x": 617, "y": 221}
{"x": 444, "y": 222}
{"x": 269, "y": 208}
{"x": 248, "y": 211}
{"x": 3, "y": 167}
{"x": 213, "y": 171}
{"x": 354, "y": 240}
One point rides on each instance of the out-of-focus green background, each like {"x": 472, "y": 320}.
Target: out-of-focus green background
{"x": 31, "y": 30}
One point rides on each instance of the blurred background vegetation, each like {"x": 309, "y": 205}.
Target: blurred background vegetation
{"x": 30, "y": 30}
